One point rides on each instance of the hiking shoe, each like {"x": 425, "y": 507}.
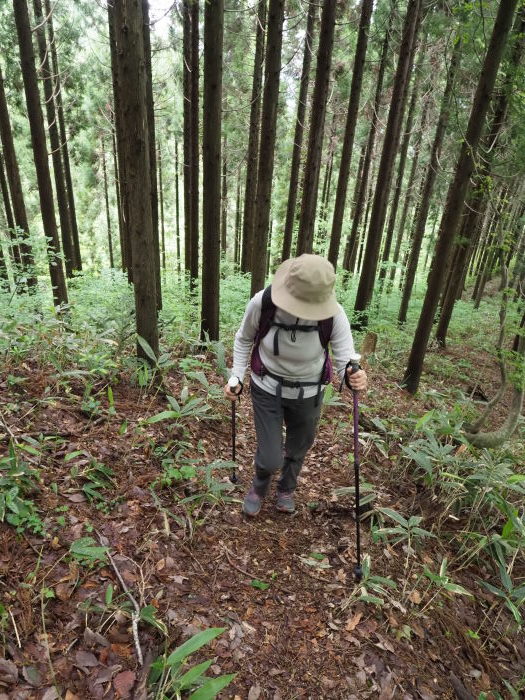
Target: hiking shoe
{"x": 252, "y": 503}
{"x": 285, "y": 502}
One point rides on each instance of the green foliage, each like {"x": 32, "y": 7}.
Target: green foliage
{"x": 372, "y": 588}
{"x": 405, "y": 530}
{"x": 171, "y": 675}
{"x": 87, "y": 552}
{"x": 442, "y": 580}
{"x": 17, "y": 483}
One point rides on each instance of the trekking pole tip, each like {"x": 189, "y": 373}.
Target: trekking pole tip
{"x": 358, "y": 573}
{"x": 234, "y": 478}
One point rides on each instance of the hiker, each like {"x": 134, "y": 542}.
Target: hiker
{"x": 287, "y": 328}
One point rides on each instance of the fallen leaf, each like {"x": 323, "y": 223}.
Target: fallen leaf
{"x": 32, "y": 676}
{"x": 63, "y": 591}
{"x": 50, "y": 694}
{"x": 415, "y": 597}
{"x": 76, "y": 497}
{"x": 85, "y": 659}
{"x": 254, "y": 692}
{"x": 123, "y": 683}
{"x": 92, "y": 638}
{"x": 8, "y": 672}
{"x": 353, "y": 622}
{"x": 71, "y": 696}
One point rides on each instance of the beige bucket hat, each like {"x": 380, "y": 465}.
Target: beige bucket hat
{"x": 304, "y": 287}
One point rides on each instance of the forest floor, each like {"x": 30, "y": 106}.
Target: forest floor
{"x": 281, "y": 585}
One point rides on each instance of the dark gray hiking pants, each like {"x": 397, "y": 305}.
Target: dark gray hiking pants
{"x": 300, "y": 417}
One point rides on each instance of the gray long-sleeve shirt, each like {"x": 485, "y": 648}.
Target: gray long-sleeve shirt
{"x": 300, "y": 360}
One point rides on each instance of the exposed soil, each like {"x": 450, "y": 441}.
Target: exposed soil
{"x": 302, "y": 637}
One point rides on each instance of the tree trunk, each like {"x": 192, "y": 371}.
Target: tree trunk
{"x": 250, "y": 190}
{"x": 291, "y": 206}
{"x": 471, "y": 219}
{"x": 125, "y": 240}
{"x": 106, "y": 201}
{"x": 15, "y": 251}
{"x": 390, "y": 144}
{"x": 54, "y": 140}
{"x": 351, "y": 120}
{"x": 117, "y": 193}
{"x": 362, "y": 183}
{"x": 457, "y": 191}
{"x": 150, "y": 111}
{"x": 237, "y": 240}
{"x": 57, "y": 91}
{"x": 177, "y": 207}
{"x": 25, "y": 256}
{"x": 224, "y": 216}
{"x": 129, "y": 35}
{"x": 194, "y": 118}
{"x": 38, "y": 141}
{"x": 161, "y": 201}
{"x": 428, "y": 186}
{"x": 272, "y": 71}
{"x": 316, "y": 134}
{"x": 402, "y": 161}
{"x": 187, "y": 140}
{"x": 211, "y": 160}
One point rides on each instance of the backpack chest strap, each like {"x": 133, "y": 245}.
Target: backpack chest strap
{"x": 293, "y": 328}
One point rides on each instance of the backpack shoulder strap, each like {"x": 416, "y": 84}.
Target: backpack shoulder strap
{"x": 267, "y": 314}
{"x": 325, "y": 328}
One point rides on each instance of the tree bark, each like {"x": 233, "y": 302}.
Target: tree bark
{"x": 194, "y": 118}
{"x": 268, "y": 130}
{"x": 177, "y": 207}
{"x": 25, "y": 256}
{"x": 237, "y": 241}
{"x": 125, "y": 241}
{"x": 161, "y": 202}
{"x": 362, "y": 183}
{"x": 129, "y": 35}
{"x": 187, "y": 139}
{"x": 38, "y": 142}
{"x": 312, "y": 166}
{"x": 224, "y": 200}
{"x": 351, "y": 120}
{"x": 150, "y": 110}
{"x": 57, "y": 91}
{"x": 106, "y": 201}
{"x": 211, "y": 161}
{"x": 390, "y": 144}
{"x": 250, "y": 190}
{"x": 428, "y": 186}
{"x": 291, "y": 206}
{"x": 457, "y": 191}
{"x": 15, "y": 251}
{"x": 54, "y": 141}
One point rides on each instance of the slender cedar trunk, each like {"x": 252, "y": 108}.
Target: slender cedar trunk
{"x": 401, "y": 164}
{"x": 211, "y": 167}
{"x": 362, "y": 241}
{"x": 117, "y": 193}
{"x": 470, "y": 224}
{"x": 390, "y": 145}
{"x": 315, "y": 139}
{"x": 486, "y": 251}
{"x": 457, "y": 191}
{"x": 194, "y": 118}
{"x": 177, "y": 206}
{"x": 57, "y": 91}
{"x": 38, "y": 141}
{"x": 250, "y": 190}
{"x": 125, "y": 241}
{"x": 481, "y": 236}
{"x": 150, "y": 110}
{"x": 161, "y": 202}
{"x": 25, "y": 255}
{"x": 106, "y": 201}
{"x": 408, "y": 196}
{"x": 186, "y": 148}
{"x": 272, "y": 71}
{"x": 4, "y": 277}
{"x": 54, "y": 140}
{"x": 325, "y": 197}
{"x": 237, "y": 220}
{"x": 224, "y": 217}
{"x": 354, "y": 204}
{"x": 15, "y": 251}
{"x": 519, "y": 262}
{"x": 129, "y": 35}
{"x": 291, "y": 207}
{"x": 351, "y": 120}
{"x": 493, "y": 248}
{"x": 428, "y": 186}
{"x": 362, "y": 183}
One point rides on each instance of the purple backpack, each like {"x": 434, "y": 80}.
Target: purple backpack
{"x": 324, "y": 328}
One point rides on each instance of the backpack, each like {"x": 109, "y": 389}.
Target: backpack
{"x": 324, "y": 328}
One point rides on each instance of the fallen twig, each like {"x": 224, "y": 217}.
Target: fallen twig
{"x": 135, "y": 615}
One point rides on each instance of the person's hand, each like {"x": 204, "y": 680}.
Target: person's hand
{"x": 233, "y": 392}
{"x": 358, "y": 380}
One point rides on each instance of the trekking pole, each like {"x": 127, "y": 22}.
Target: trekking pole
{"x": 234, "y": 382}
{"x": 358, "y": 571}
